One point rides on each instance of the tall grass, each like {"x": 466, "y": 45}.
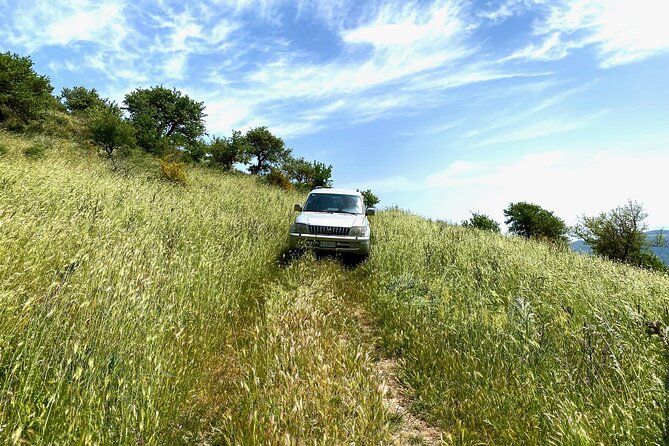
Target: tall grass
{"x": 505, "y": 341}
{"x": 135, "y": 312}
{"x": 138, "y": 312}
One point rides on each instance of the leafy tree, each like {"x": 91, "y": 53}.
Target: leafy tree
{"x": 371, "y": 200}
{"x": 532, "y": 221}
{"x": 481, "y": 221}
{"x": 619, "y": 235}
{"x": 267, "y": 149}
{"x": 164, "y": 118}
{"x": 24, "y": 94}
{"x": 79, "y": 99}
{"x": 226, "y": 152}
{"x": 109, "y": 130}
{"x": 308, "y": 174}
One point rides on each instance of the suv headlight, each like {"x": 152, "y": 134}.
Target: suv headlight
{"x": 300, "y": 228}
{"x": 358, "y": 231}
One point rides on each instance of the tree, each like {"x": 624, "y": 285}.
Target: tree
{"x": 267, "y": 149}
{"x": 618, "y": 235}
{"x": 79, "y": 99}
{"x": 226, "y": 152}
{"x": 109, "y": 130}
{"x": 371, "y": 200}
{"x": 532, "y": 221}
{"x": 164, "y": 118}
{"x": 24, "y": 94}
{"x": 308, "y": 174}
{"x": 481, "y": 221}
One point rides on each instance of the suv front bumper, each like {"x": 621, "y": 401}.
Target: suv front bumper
{"x": 353, "y": 245}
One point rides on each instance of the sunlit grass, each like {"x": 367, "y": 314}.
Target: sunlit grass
{"x": 129, "y": 305}
{"x": 139, "y": 312}
{"x": 506, "y": 341}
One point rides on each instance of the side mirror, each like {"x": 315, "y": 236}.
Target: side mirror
{"x": 297, "y": 208}
{"x": 370, "y": 211}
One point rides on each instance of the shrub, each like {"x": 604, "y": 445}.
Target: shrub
{"x": 532, "y": 221}
{"x": 481, "y": 221}
{"x": 226, "y": 152}
{"x": 277, "y": 178}
{"x": 79, "y": 99}
{"x": 3, "y": 150}
{"x": 58, "y": 123}
{"x": 308, "y": 174}
{"x": 371, "y": 200}
{"x": 36, "y": 150}
{"x": 24, "y": 94}
{"x": 109, "y": 130}
{"x": 173, "y": 171}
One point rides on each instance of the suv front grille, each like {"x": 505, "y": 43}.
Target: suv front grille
{"x": 328, "y": 230}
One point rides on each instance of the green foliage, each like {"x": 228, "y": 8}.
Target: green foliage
{"x": 165, "y": 118}
{"x": 532, "y": 221}
{"x": 109, "y": 130}
{"x": 3, "y": 150}
{"x": 482, "y": 222}
{"x": 37, "y": 149}
{"x": 371, "y": 200}
{"x": 619, "y": 235}
{"x": 277, "y": 178}
{"x": 24, "y": 94}
{"x": 80, "y": 99}
{"x": 226, "y": 152}
{"x": 268, "y": 150}
{"x": 308, "y": 175}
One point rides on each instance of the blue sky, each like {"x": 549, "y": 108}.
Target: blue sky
{"x": 441, "y": 107}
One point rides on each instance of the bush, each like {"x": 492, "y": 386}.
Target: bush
{"x": 277, "y": 178}
{"x": 307, "y": 174}
{"x": 36, "y": 150}
{"x": 226, "y": 152}
{"x": 173, "y": 171}
{"x": 24, "y": 94}
{"x": 109, "y": 130}
{"x": 3, "y": 150}
{"x": 532, "y": 221}
{"x": 58, "y": 123}
{"x": 482, "y": 222}
{"x": 648, "y": 260}
{"x": 371, "y": 200}
{"x": 79, "y": 99}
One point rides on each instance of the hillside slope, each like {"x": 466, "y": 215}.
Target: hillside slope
{"x": 134, "y": 311}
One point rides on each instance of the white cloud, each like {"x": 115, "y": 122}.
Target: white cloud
{"x": 623, "y": 31}
{"x": 540, "y": 128}
{"x": 570, "y": 183}
{"x": 38, "y": 23}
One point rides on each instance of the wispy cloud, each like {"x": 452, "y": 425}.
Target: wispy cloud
{"x": 622, "y": 31}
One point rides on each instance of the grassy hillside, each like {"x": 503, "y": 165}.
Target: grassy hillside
{"x": 134, "y": 311}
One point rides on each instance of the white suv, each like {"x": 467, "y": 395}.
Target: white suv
{"x": 332, "y": 220}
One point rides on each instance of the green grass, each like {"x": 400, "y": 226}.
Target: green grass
{"x": 506, "y": 341}
{"x": 134, "y": 311}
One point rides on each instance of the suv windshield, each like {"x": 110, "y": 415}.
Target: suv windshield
{"x": 349, "y": 204}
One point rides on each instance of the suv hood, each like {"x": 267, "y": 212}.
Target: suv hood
{"x": 328, "y": 219}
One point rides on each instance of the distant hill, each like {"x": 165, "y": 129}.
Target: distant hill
{"x": 661, "y": 251}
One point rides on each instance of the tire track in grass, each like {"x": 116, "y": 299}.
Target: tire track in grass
{"x": 408, "y": 428}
